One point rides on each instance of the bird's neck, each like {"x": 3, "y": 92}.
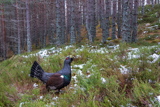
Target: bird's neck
{"x": 67, "y": 66}
{"x": 67, "y": 71}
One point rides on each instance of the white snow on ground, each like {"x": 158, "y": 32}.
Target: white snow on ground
{"x": 79, "y": 72}
{"x": 158, "y": 98}
{"x": 35, "y": 85}
{"x": 41, "y": 97}
{"x": 103, "y": 80}
{"x": 75, "y": 78}
{"x": 79, "y": 66}
{"x": 53, "y": 103}
{"x": 20, "y": 105}
{"x": 78, "y": 56}
{"x": 101, "y": 50}
{"x": 113, "y": 47}
{"x": 55, "y": 98}
{"x": 123, "y": 69}
{"x": 155, "y": 57}
{"x": 88, "y": 76}
{"x": 67, "y": 47}
{"x": 132, "y": 54}
{"x": 46, "y": 52}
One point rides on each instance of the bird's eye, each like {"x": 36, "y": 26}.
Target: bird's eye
{"x": 67, "y": 58}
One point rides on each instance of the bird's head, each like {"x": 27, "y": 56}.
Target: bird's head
{"x": 68, "y": 59}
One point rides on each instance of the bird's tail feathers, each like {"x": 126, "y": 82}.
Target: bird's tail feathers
{"x": 36, "y": 71}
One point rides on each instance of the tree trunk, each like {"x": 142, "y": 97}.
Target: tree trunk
{"x": 44, "y": 25}
{"x": 4, "y": 33}
{"x": 103, "y": 23}
{"x": 152, "y": 3}
{"x": 119, "y": 18}
{"x": 130, "y": 18}
{"x": 143, "y": 7}
{"x": 29, "y": 44}
{"x": 134, "y": 35}
{"x": 114, "y": 20}
{"x": 18, "y": 28}
{"x": 78, "y": 19}
{"x": 148, "y": 2}
{"x": 107, "y": 18}
{"x": 72, "y": 32}
{"x": 126, "y": 36}
{"x": 58, "y": 23}
{"x": 68, "y": 19}
{"x": 62, "y": 9}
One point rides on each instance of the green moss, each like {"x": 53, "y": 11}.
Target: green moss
{"x": 109, "y": 38}
{"x": 155, "y": 41}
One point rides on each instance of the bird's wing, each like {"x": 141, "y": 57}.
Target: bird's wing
{"x": 55, "y": 81}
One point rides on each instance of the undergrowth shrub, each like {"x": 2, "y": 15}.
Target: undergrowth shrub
{"x": 143, "y": 92}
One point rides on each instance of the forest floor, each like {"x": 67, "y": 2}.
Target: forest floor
{"x": 102, "y": 75}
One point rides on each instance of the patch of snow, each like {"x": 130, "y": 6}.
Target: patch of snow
{"x": 78, "y": 56}
{"x": 102, "y": 69}
{"x": 88, "y": 76}
{"x": 150, "y": 105}
{"x": 148, "y": 24}
{"x": 131, "y": 56}
{"x": 158, "y": 98}
{"x": 66, "y": 47}
{"x": 73, "y": 106}
{"x": 145, "y": 32}
{"x": 75, "y": 78}
{"x": 123, "y": 69}
{"x": 53, "y": 103}
{"x": 20, "y": 105}
{"x": 103, "y": 80}
{"x": 43, "y": 53}
{"x": 75, "y": 85}
{"x": 79, "y": 66}
{"x": 35, "y": 85}
{"x": 101, "y": 50}
{"x": 155, "y": 57}
{"x": 113, "y": 47}
{"x": 55, "y": 98}
{"x": 156, "y": 26}
{"x": 88, "y": 72}
{"x": 150, "y": 81}
{"x": 132, "y": 52}
{"x": 79, "y": 72}
{"x": 41, "y": 97}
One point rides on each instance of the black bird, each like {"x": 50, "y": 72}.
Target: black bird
{"x": 53, "y": 81}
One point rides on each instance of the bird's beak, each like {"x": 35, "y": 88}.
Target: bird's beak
{"x": 71, "y": 57}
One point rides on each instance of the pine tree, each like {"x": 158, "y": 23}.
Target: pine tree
{"x": 114, "y": 20}
{"x": 135, "y": 13}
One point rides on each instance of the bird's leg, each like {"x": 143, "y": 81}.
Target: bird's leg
{"x": 48, "y": 89}
{"x": 57, "y": 92}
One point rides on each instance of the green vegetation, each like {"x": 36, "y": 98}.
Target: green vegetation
{"x": 100, "y": 82}
{"x": 151, "y": 14}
